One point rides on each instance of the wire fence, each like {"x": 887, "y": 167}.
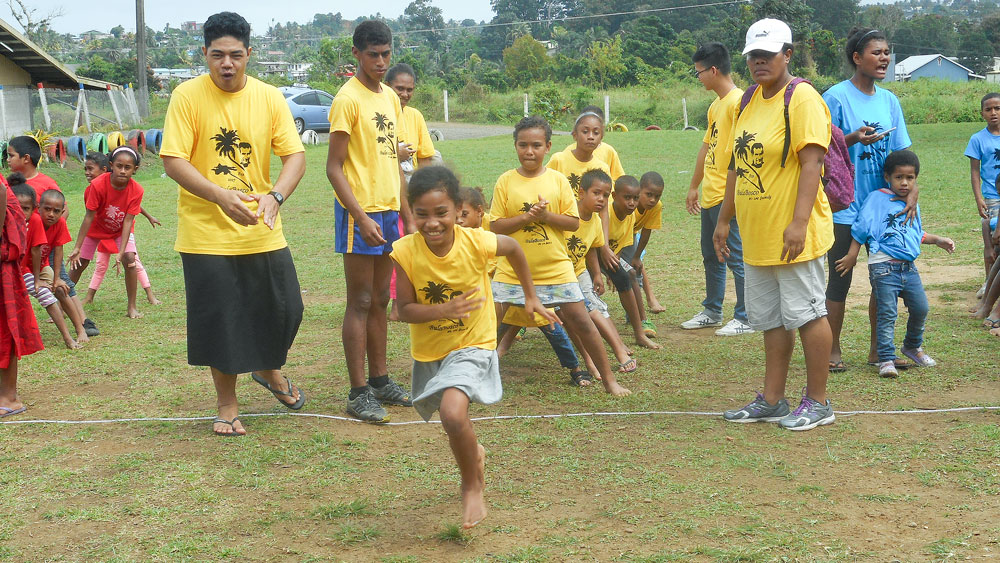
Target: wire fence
{"x": 69, "y": 112}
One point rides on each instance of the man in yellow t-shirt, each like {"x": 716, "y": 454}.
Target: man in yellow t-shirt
{"x": 712, "y": 66}
{"x": 366, "y": 120}
{"x": 243, "y": 300}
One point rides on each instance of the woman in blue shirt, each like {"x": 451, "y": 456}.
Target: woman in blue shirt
{"x": 873, "y": 125}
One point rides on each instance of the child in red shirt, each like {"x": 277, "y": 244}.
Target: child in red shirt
{"x": 113, "y": 200}
{"x": 35, "y": 268}
{"x": 50, "y": 208}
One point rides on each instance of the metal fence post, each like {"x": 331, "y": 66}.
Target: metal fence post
{"x": 446, "y": 106}
{"x": 607, "y": 108}
{"x": 525, "y": 104}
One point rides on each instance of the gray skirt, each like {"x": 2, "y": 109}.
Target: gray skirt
{"x": 243, "y": 312}
{"x": 473, "y": 371}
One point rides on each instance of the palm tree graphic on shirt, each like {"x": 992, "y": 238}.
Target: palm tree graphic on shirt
{"x": 744, "y": 151}
{"x": 574, "y": 181}
{"x": 713, "y": 141}
{"x": 533, "y": 228}
{"x": 437, "y": 293}
{"x": 576, "y": 248}
{"x": 996, "y": 157}
{"x": 868, "y": 155}
{"x": 228, "y": 145}
{"x": 894, "y": 228}
{"x": 386, "y": 131}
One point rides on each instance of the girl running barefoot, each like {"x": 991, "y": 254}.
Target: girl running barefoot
{"x": 443, "y": 291}
{"x": 536, "y": 207}
{"x": 95, "y": 164}
{"x": 113, "y": 200}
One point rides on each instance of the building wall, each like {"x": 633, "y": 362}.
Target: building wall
{"x": 16, "y": 99}
{"x": 946, "y": 70}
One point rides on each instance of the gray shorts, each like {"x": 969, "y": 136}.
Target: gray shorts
{"x": 473, "y": 371}
{"x": 992, "y": 207}
{"x": 591, "y": 299}
{"x": 788, "y": 296}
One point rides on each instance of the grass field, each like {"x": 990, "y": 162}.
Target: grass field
{"x": 611, "y": 488}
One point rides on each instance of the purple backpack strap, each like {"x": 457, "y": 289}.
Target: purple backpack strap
{"x": 746, "y": 97}
{"x": 789, "y": 90}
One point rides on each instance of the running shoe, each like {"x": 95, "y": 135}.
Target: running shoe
{"x": 90, "y": 328}
{"x": 392, "y": 393}
{"x": 649, "y": 328}
{"x": 701, "y": 320}
{"x": 809, "y": 415}
{"x": 734, "y": 327}
{"x": 367, "y": 408}
{"x": 758, "y": 410}
{"x": 888, "y": 369}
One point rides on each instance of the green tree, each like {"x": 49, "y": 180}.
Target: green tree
{"x": 974, "y": 48}
{"x": 526, "y": 60}
{"x": 420, "y": 14}
{"x": 649, "y": 39}
{"x": 838, "y": 16}
{"x": 607, "y": 62}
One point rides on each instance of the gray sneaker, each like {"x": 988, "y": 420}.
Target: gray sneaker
{"x": 392, "y": 393}
{"x": 809, "y": 415}
{"x": 367, "y": 408}
{"x": 758, "y": 410}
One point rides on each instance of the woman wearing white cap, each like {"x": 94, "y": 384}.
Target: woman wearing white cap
{"x": 774, "y": 189}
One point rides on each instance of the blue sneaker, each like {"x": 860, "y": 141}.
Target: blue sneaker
{"x": 758, "y": 410}
{"x": 809, "y": 415}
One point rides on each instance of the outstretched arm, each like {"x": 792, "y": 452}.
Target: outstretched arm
{"x": 944, "y": 243}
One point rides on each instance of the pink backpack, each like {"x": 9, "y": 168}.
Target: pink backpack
{"x": 838, "y": 170}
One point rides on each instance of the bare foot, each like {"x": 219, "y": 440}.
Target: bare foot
{"x": 995, "y": 331}
{"x": 86, "y": 301}
{"x": 72, "y": 344}
{"x": 473, "y": 504}
{"x": 615, "y": 389}
{"x": 629, "y": 351}
{"x": 134, "y": 314}
{"x": 645, "y": 342}
{"x": 974, "y": 308}
{"x": 656, "y": 308}
{"x": 82, "y": 337}
{"x": 153, "y": 300}
{"x": 978, "y": 313}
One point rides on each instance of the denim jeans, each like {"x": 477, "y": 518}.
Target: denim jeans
{"x": 558, "y": 339}
{"x": 715, "y": 271}
{"x": 890, "y": 281}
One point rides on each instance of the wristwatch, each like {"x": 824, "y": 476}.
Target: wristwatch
{"x": 277, "y": 196}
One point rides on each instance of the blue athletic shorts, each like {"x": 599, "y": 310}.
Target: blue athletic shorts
{"x": 347, "y": 238}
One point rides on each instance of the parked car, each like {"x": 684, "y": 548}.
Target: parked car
{"x": 310, "y": 108}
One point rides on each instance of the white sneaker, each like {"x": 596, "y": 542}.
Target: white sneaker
{"x": 734, "y": 327}
{"x": 701, "y": 320}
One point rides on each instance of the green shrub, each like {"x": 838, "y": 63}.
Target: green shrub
{"x": 549, "y": 101}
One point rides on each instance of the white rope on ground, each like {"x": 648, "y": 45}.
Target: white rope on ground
{"x": 476, "y": 419}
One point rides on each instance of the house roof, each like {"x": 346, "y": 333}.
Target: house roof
{"x": 41, "y": 66}
{"x": 908, "y": 65}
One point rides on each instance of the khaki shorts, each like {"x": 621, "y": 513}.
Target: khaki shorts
{"x": 47, "y": 275}
{"x": 788, "y": 296}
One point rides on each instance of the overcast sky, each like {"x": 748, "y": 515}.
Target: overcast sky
{"x": 104, "y": 14}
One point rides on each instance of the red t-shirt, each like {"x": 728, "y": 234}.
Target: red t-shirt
{"x": 57, "y": 235}
{"x": 36, "y": 237}
{"x": 110, "y": 206}
{"x": 41, "y": 182}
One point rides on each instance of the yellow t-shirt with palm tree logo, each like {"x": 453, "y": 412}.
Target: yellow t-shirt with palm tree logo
{"x": 438, "y": 279}
{"x": 606, "y": 153}
{"x": 567, "y": 163}
{"x": 228, "y": 138}
{"x": 620, "y": 231}
{"x": 719, "y": 138}
{"x": 374, "y": 120}
{"x": 543, "y": 245}
{"x": 766, "y": 192}
{"x": 578, "y": 244}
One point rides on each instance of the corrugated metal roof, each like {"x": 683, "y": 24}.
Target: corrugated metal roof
{"x": 41, "y": 66}
{"x": 912, "y": 63}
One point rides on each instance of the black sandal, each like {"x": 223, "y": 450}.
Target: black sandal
{"x": 579, "y": 376}
{"x": 290, "y": 393}
{"x": 231, "y": 423}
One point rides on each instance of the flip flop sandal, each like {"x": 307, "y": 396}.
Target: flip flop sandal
{"x": 579, "y": 376}
{"x": 837, "y": 367}
{"x": 279, "y": 393}
{"x": 231, "y": 424}
{"x": 11, "y": 412}
{"x": 989, "y": 323}
{"x": 629, "y": 366}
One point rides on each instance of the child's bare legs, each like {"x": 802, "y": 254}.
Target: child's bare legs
{"x": 635, "y": 317}
{"x": 75, "y": 273}
{"x": 131, "y": 284}
{"x": 873, "y": 326}
{"x": 577, "y": 319}
{"x": 364, "y": 331}
{"x": 506, "y": 342}
{"x": 55, "y": 312}
{"x": 990, "y": 296}
{"x": 8, "y": 386}
{"x": 611, "y": 336}
{"x": 469, "y": 454}
{"x": 587, "y": 360}
{"x": 143, "y": 277}
{"x": 71, "y": 310}
{"x": 225, "y": 392}
{"x": 647, "y": 287}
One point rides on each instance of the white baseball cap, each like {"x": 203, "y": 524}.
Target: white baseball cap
{"x": 767, "y": 35}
